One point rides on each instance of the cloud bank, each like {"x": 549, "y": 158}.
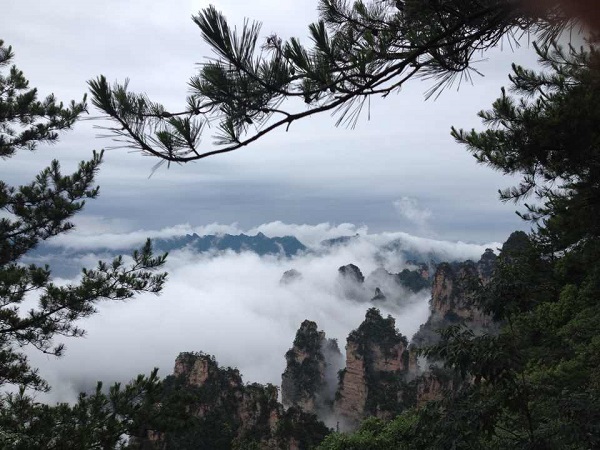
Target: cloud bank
{"x": 232, "y": 305}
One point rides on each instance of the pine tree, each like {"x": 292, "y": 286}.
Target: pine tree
{"x": 535, "y": 384}
{"x": 360, "y": 49}
{"x": 119, "y": 417}
{"x": 37, "y": 211}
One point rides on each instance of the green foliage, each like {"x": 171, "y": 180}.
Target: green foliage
{"x": 305, "y": 376}
{"x": 34, "y": 310}
{"x": 376, "y": 337}
{"x": 535, "y": 384}
{"x": 223, "y": 413}
{"x": 376, "y": 434}
{"x": 26, "y": 121}
{"x": 359, "y": 48}
{"x": 219, "y": 398}
{"x": 546, "y": 137}
{"x": 413, "y": 280}
{"x": 460, "y": 297}
{"x": 38, "y": 211}
{"x": 303, "y": 428}
{"x": 99, "y": 420}
{"x": 378, "y": 331}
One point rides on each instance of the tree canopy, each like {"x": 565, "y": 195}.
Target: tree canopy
{"x": 34, "y": 310}
{"x": 535, "y": 384}
{"x": 359, "y": 49}
{"x": 38, "y": 211}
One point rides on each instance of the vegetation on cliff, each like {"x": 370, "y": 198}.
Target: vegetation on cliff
{"x": 535, "y": 384}
{"x": 413, "y": 280}
{"x": 377, "y": 358}
{"x": 377, "y": 331}
{"x": 302, "y": 376}
{"x": 455, "y": 301}
{"x": 221, "y": 412}
{"x": 305, "y": 383}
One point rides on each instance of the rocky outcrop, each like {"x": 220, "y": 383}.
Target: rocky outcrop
{"x": 389, "y": 287}
{"x": 414, "y": 280}
{"x": 453, "y": 301}
{"x": 382, "y": 286}
{"x": 429, "y": 388}
{"x": 453, "y": 289}
{"x": 351, "y": 398}
{"x": 486, "y": 265}
{"x": 309, "y": 379}
{"x": 373, "y": 382}
{"x": 195, "y": 369}
{"x": 379, "y": 295}
{"x": 351, "y": 273}
{"x": 453, "y": 294}
{"x": 423, "y": 269}
{"x": 351, "y": 283}
{"x": 222, "y": 412}
{"x": 434, "y": 384}
{"x": 290, "y": 276}
{"x": 399, "y": 283}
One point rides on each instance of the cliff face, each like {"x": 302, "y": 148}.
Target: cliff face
{"x": 351, "y": 397}
{"x": 452, "y": 298}
{"x": 374, "y": 380}
{"x": 223, "y": 413}
{"x": 452, "y": 302}
{"x": 290, "y": 276}
{"x": 486, "y": 265}
{"x": 352, "y": 273}
{"x": 351, "y": 282}
{"x": 382, "y": 376}
{"x": 308, "y": 381}
{"x": 195, "y": 369}
{"x": 381, "y": 285}
{"x": 453, "y": 289}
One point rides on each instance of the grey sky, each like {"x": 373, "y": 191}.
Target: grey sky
{"x": 313, "y": 173}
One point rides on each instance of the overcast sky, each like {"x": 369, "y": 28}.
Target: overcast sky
{"x": 398, "y": 171}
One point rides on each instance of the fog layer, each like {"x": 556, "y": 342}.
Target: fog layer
{"x": 233, "y": 305}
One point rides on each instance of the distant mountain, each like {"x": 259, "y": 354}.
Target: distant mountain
{"x": 67, "y": 262}
{"x": 342, "y": 240}
{"x": 259, "y": 244}
{"x": 397, "y": 246}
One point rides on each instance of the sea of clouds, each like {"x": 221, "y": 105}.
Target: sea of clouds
{"x": 231, "y": 305}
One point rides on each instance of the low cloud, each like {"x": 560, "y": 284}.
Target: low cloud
{"x": 90, "y": 234}
{"x": 96, "y": 233}
{"x": 410, "y": 209}
{"x": 310, "y": 235}
{"x": 234, "y": 307}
